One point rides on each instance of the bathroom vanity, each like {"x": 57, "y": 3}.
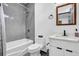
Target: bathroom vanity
{"x": 63, "y": 46}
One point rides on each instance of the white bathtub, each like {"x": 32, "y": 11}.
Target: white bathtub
{"x": 15, "y": 48}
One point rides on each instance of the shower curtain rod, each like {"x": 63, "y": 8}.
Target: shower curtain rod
{"x": 19, "y": 4}
{"x": 22, "y": 6}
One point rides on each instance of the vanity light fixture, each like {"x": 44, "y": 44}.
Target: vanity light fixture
{"x": 50, "y": 16}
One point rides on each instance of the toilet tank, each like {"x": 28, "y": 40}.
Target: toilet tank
{"x": 40, "y": 39}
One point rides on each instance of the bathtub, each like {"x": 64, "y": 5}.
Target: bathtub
{"x": 16, "y": 48}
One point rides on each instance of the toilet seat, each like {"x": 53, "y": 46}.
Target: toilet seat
{"x": 34, "y": 47}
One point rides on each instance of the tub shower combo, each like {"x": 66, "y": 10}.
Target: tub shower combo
{"x": 15, "y": 32}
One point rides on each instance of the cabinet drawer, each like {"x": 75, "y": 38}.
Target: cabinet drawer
{"x": 54, "y": 51}
{"x": 55, "y": 43}
{"x": 71, "y": 53}
{"x": 65, "y": 44}
{"x": 74, "y": 46}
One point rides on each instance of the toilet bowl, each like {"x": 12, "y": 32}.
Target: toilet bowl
{"x": 34, "y": 49}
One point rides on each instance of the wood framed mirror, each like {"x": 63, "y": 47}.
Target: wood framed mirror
{"x": 66, "y": 14}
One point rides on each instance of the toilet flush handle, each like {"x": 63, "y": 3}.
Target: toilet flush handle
{"x": 40, "y": 36}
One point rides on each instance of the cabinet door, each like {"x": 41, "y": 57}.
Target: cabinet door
{"x": 55, "y": 52}
{"x": 71, "y": 53}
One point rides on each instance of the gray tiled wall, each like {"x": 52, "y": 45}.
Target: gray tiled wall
{"x": 16, "y": 23}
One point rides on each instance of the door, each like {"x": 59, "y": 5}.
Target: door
{"x": 15, "y": 16}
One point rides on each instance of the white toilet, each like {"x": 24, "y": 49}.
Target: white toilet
{"x": 34, "y": 49}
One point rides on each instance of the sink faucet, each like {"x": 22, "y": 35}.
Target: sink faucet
{"x": 64, "y": 33}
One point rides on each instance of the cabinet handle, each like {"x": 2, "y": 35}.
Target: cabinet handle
{"x": 48, "y": 43}
{"x": 59, "y": 48}
{"x": 68, "y": 50}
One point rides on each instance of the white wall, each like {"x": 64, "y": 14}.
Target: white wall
{"x": 70, "y": 29}
{"x": 43, "y": 25}
{"x": 48, "y": 27}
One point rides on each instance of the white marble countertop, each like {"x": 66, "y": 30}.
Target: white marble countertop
{"x": 65, "y": 38}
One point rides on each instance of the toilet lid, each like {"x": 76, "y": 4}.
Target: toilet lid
{"x": 34, "y": 46}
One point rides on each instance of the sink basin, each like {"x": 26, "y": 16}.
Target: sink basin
{"x": 66, "y": 38}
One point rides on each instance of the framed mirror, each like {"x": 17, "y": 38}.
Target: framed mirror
{"x": 66, "y": 14}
